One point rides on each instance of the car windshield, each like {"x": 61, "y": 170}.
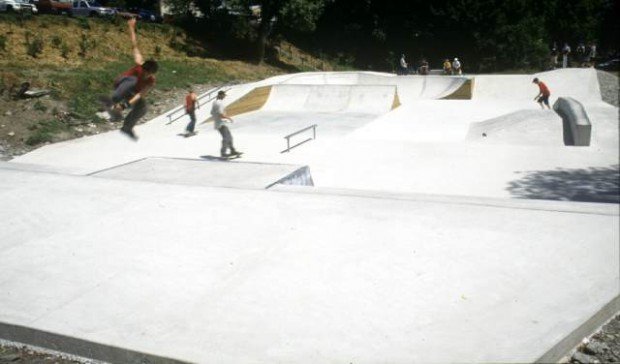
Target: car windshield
{"x": 94, "y": 3}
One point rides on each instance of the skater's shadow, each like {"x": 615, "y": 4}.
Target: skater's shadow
{"x": 585, "y": 185}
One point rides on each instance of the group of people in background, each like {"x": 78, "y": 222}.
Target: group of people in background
{"x": 584, "y": 55}
{"x": 453, "y": 67}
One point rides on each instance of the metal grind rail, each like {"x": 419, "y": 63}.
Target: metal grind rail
{"x": 179, "y": 111}
{"x": 288, "y": 138}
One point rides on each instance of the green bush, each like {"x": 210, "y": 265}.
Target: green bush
{"x": 34, "y": 47}
{"x": 64, "y": 50}
{"x": 84, "y": 45}
{"x": 84, "y": 23}
{"x": 39, "y": 106}
{"x": 56, "y": 41}
{"x": 45, "y": 132}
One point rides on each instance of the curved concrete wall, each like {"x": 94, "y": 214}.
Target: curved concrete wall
{"x": 520, "y": 87}
{"x": 410, "y": 88}
{"x": 576, "y": 122}
{"x": 370, "y": 99}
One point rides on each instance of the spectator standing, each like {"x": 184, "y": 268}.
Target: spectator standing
{"x": 565, "y": 52}
{"x": 456, "y": 67}
{"x": 581, "y": 54}
{"x": 191, "y": 104}
{"x": 424, "y": 68}
{"x": 403, "y": 65}
{"x": 543, "y": 93}
{"x": 554, "y": 58}
{"x": 217, "y": 111}
{"x": 591, "y": 55}
{"x": 447, "y": 67}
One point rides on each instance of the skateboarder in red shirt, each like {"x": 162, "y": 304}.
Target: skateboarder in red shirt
{"x": 543, "y": 94}
{"x": 191, "y": 104}
{"x": 132, "y": 86}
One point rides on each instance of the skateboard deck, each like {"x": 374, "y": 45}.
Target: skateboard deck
{"x": 188, "y": 135}
{"x": 217, "y": 158}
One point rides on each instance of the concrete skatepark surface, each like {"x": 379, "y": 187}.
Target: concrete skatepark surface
{"x": 418, "y": 240}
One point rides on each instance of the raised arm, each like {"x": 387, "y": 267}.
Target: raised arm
{"x": 137, "y": 56}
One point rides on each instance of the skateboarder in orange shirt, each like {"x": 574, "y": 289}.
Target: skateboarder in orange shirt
{"x": 543, "y": 94}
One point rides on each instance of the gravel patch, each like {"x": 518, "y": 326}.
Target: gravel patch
{"x": 602, "y": 347}
{"x": 608, "y": 83}
{"x": 15, "y": 353}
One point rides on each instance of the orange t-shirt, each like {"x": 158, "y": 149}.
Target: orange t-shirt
{"x": 544, "y": 90}
{"x": 190, "y": 103}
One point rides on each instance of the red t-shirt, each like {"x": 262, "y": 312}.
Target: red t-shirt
{"x": 138, "y": 73}
{"x": 190, "y": 103}
{"x": 543, "y": 89}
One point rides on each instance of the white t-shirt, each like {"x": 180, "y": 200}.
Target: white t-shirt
{"x": 403, "y": 63}
{"x": 456, "y": 65}
{"x": 217, "y": 110}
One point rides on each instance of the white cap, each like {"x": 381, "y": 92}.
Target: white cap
{"x": 456, "y": 59}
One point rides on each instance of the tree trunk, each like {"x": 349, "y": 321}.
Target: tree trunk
{"x": 268, "y": 11}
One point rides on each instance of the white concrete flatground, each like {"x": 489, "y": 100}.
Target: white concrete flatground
{"x": 419, "y": 240}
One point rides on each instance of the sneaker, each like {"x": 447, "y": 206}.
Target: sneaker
{"x": 129, "y": 133}
{"x": 236, "y": 152}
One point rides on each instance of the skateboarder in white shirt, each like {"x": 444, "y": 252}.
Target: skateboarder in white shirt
{"x": 456, "y": 67}
{"x": 217, "y": 111}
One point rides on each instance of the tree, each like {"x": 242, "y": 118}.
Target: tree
{"x": 300, "y": 15}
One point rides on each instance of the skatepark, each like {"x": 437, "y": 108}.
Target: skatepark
{"x": 371, "y": 218}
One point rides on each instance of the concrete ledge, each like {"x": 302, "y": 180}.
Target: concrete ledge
{"x": 577, "y": 126}
{"x": 78, "y": 347}
{"x": 568, "y": 343}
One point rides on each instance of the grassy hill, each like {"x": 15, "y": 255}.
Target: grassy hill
{"x": 77, "y": 59}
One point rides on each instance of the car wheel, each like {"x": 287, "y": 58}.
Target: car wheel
{"x": 9, "y": 9}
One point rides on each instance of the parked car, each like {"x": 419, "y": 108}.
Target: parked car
{"x": 90, "y": 8}
{"x": 125, "y": 13}
{"x": 28, "y": 6}
{"x": 609, "y": 65}
{"x": 55, "y": 6}
{"x": 147, "y": 15}
{"x": 17, "y": 6}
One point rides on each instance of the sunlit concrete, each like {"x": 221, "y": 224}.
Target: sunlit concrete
{"x": 438, "y": 231}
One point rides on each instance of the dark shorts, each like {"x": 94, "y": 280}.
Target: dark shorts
{"x": 544, "y": 99}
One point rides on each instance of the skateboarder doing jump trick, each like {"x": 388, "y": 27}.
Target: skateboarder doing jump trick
{"x": 131, "y": 87}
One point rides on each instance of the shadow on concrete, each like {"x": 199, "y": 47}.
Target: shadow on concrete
{"x": 585, "y": 185}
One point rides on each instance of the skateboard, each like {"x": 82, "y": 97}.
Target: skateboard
{"x": 187, "y": 134}
{"x": 227, "y": 158}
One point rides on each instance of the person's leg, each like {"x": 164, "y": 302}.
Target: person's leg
{"x": 125, "y": 88}
{"x": 192, "y": 123}
{"x": 222, "y": 129}
{"x": 137, "y": 111}
{"x": 228, "y": 140}
{"x": 546, "y": 101}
